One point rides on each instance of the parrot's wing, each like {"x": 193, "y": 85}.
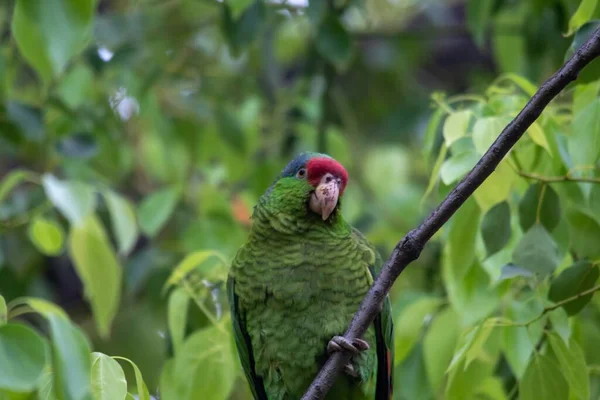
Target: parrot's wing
{"x": 243, "y": 344}
{"x": 384, "y": 334}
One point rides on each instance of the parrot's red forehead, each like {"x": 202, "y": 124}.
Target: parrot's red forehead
{"x": 319, "y": 166}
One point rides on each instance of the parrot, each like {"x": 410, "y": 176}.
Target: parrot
{"x": 295, "y": 284}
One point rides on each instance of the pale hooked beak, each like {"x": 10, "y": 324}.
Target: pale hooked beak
{"x": 325, "y": 197}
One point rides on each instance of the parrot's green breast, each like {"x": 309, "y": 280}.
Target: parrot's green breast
{"x": 298, "y": 284}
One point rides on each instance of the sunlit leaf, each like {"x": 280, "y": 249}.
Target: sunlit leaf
{"x": 583, "y": 14}
{"x": 177, "y": 312}
{"x": 536, "y": 133}
{"x": 22, "y": 357}
{"x": 411, "y": 319}
{"x": 49, "y": 33}
{"x": 123, "y": 219}
{"x": 193, "y": 261}
{"x": 75, "y": 200}
{"x": 496, "y": 188}
{"x": 97, "y": 266}
{"x": 457, "y": 166}
{"x": 47, "y": 235}
{"x": 456, "y": 125}
{"x": 472, "y": 343}
{"x": 572, "y": 281}
{"x": 142, "y": 389}
{"x": 108, "y": 378}
{"x": 155, "y": 210}
{"x": 537, "y": 252}
{"x": 572, "y": 364}
{"x": 486, "y": 130}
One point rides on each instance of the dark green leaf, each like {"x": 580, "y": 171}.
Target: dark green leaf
{"x": 585, "y": 234}
{"x": 539, "y": 204}
{"x": 537, "y": 252}
{"x": 543, "y": 380}
{"x": 231, "y": 130}
{"x": 316, "y": 11}
{"x": 97, "y": 266}
{"x": 572, "y": 281}
{"x": 50, "y": 32}
{"x": 123, "y": 219}
{"x": 334, "y": 43}
{"x": 479, "y": 14}
{"x": 78, "y": 145}
{"x": 156, "y": 209}
{"x": 591, "y": 72}
{"x": 108, "y": 378}
{"x": 22, "y": 357}
{"x": 495, "y": 228}
{"x": 29, "y": 120}
{"x": 572, "y": 364}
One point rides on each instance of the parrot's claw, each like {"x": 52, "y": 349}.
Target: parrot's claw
{"x": 349, "y": 369}
{"x": 339, "y": 343}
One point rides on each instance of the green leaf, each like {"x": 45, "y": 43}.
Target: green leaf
{"x": 539, "y": 204}
{"x": 543, "y": 380}
{"x": 108, "y": 378}
{"x": 12, "y": 180}
{"x": 433, "y": 177}
{"x": 584, "y": 13}
{"x": 76, "y": 86}
{"x": 585, "y": 234}
{"x": 411, "y": 320}
{"x": 495, "y": 228}
{"x": 456, "y": 125}
{"x": 431, "y": 133}
{"x": 71, "y": 352}
{"x": 316, "y": 11}
{"x": 28, "y": 119}
{"x": 496, "y": 188}
{"x": 204, "y": 365}
{"x": 3, "y": 311}
{"x": 438, "y": 345}
{"x": 50, "y": 32}
{"x": 520, "y": 341}
{"x": 457, "y": 166}
{"x": 462, "y": 237}
{"x": 191, "y": 262}
{"x": 572, "y": 281}
{"x": 178, "y": 309}
{"x": 75, "y": 200}
{"x": 573, "y": 366}
{"x": 584, "y": 143}
{"x": 143, "y": 393}
{"x": 479, "y": 15}
{"x": 231, "y": 130}
{"x": 537, "y": 252}
{"x": 472, "y": 343}
{"x": 486, "y": 130}
{"x": 334, "y": 43}
{"x": 463, "y": 382}
{"x": 523, "y": 83}
{"x": 238, "y": 7}
{"x": 536, "y": 133}
{"x": 98, "y": 267}
{"x": 492, "y": 388}
{"x": 122, "y": 217}
{"x": 560, "y": 323}
{"x": 46, "y": 386}
{"x": 81, "y": 146}
{"x": 22, "y": 357}
{"x": 156, "y": 209}
{"x": 47, "y": 236}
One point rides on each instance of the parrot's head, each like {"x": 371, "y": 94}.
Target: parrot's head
{"x": 310, "y": 183}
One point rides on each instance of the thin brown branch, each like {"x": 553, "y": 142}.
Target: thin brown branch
{"x": 409, "y": 248}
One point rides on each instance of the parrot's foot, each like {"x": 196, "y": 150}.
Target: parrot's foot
{"x": 339, "y": 343}
{"x": 349, "y": 369}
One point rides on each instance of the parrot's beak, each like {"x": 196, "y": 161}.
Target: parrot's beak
{"x": 325, "y": 196}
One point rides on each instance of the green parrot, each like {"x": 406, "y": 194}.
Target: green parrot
{"x": 295, "y": 284}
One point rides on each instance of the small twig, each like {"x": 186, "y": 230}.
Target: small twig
{"x": 557, "y": 179}
{"x": 409, "y": 248}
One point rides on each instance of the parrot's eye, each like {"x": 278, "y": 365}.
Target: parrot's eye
{"x": 301, "y": 173}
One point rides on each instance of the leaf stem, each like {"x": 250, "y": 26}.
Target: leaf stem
{"x": 557, "y": 179}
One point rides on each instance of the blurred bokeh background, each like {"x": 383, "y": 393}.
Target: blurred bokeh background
{"x": 186, "y": 110}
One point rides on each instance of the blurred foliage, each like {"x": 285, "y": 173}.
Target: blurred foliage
{"x": 136, "y": 135}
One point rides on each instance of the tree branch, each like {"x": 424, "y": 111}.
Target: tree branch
{"x": 409, "y": 248}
